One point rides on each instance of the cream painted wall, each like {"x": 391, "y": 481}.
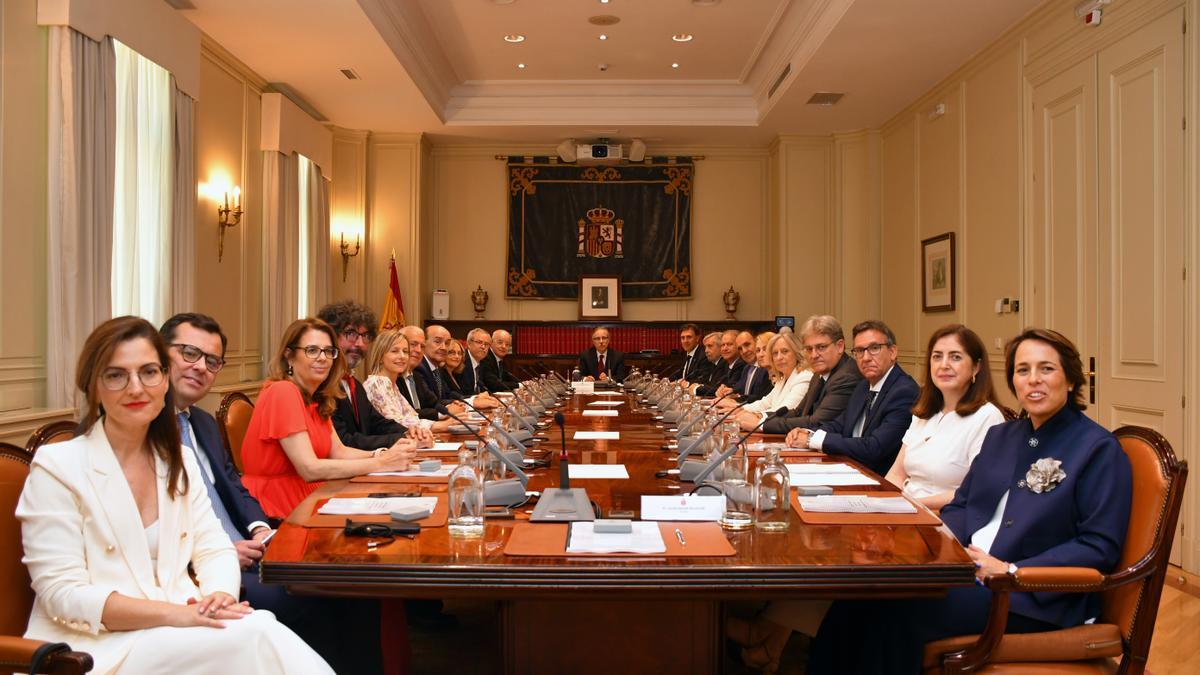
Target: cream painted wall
{"x": 227, "y": 150}
{"x": 468, "y": 224}
{"x": 393, "y": 206}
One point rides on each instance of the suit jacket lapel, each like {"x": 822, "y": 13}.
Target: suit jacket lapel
{"x": 119, "y": 508}
{"x": 879, "y": 399}
{"x": 171, "y": 529}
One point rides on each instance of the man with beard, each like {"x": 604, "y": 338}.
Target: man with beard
{"x": 356, "y": 421}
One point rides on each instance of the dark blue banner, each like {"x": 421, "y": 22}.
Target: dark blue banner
{"x": 629, "y": 220}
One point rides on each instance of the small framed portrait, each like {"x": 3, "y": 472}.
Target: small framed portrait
{"x": 938, "y": 274}
{"x": 599, "y": 297}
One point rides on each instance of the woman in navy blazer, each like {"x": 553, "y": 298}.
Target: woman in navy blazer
{"x": 1052, "y": 489}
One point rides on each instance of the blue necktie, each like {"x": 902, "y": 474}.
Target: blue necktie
{"x": 185, "y": 433}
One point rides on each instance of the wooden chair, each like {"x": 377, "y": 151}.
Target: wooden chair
{"x": 54, "y": 432}
{"x": 1130, "y": 594}
{"x": 16, "y": 652}
{"x": 233, "y": 417}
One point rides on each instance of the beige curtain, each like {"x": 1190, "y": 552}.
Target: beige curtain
{"x": 183, "y": 205}
{"x": 319, "y": 249}
{"x": 281, "y": 227}
{"x": 82, "y": 90}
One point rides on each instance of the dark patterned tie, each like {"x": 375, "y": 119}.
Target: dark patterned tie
{"x": 600, "y": 365}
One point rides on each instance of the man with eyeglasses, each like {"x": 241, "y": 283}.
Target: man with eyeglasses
{"x": 356, "y": 421}
{"x": 600, "y": 362}
{"x": 754, "y": 382}
{"x": 871, "y": 428}
{"x": 835, "y": 376}
{"x": 478, "y": 345}
{"x": 710, "y": 374}
{"x": 495, "y": 376}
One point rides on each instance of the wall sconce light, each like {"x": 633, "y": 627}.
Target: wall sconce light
{"x": 228, "y": 216}
{"x": 347, "y": 255}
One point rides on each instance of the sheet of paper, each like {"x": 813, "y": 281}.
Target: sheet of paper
{"x": 682, "y": 507}
{"x": 597, "y": 435}
{"x": 822, "y": 467}
{"x": 831, "y": 480}
{"x": 583, "y": 387}
{"x": 445, "y": 447}
{"x": 645, "y": 538}
{"x": 856, "y": 504}
{"x": 599, "y": 413}
{"x": 609, "y": 393}
{"x": 443, "y": 472}
{"x": 610, "y": 471}
{"x": 607, "y": 403}
{"x": 368, "y": 506}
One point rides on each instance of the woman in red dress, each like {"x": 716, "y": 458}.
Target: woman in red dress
{"x": 290, "y": 445}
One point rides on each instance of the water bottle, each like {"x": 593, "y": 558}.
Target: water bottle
{"x": 772, "y": 493}
{"x": 576, "y": 375}
{"x": 465, "y": 494}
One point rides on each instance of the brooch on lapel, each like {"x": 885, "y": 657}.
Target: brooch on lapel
{"x": 1043, "y": 476}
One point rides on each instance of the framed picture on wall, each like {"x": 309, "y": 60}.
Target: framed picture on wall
{"x": 937, "y": 273}
{"x": 599, "y": 297}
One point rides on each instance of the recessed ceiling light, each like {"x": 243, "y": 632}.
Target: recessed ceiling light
{"x": 682, "y": 37}
{"x": 514, "y": 38}
{"x": 521, "y": 66}
{"x": 674, "y": 65}
{"x": 603, "y": 37}
{"x": 604, "y": 2}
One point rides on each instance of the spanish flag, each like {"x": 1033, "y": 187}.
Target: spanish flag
{"x": 393, "y": 309}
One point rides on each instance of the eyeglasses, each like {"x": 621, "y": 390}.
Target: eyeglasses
{"x": 873, "y": 349}
{"x": 116, "y": 379}
{"x": 352, "y": 335}
{"x": 192, "y": 354}
{"x": 816, "y": 349}
{"x": 313, "y": 351}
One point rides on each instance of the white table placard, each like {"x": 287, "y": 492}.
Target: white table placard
{"x": 583, "y": 387}
{"x": 597, "y": 435}
{"x": 682, "y": 507}
{"x": 602, "y": 471}
{"x": 607, "y": 403}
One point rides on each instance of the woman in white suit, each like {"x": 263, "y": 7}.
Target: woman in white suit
{"x": 111, "y": 520}
{"x": 784, "y": 355}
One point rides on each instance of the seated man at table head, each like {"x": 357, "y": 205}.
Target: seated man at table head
{"x": 493, "y": 371}
{"x": 694, "y": 362}
{"x": 356, "y": 422}
{"x": 600, "y": 362}
{"x": 834, "y": 377}
{"x": 728, "y": 370}
{"x": 754, "y": 382}
{"x": 872, "y": 426}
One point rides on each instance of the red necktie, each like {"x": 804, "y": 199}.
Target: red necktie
{"x": 353, "y": 397}
{"x": 600, "y": 368}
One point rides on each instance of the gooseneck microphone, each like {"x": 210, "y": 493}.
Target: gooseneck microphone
{"x": 498, "y": 492}
{"x": 708, "y": 468}
{"x": 685, "y": 450}
{"x": 563, "y": 463}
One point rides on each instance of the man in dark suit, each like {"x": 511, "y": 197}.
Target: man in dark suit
{"x": 437, "y": 343}
{"x": 708, "y": 374}
{"x": 728, "y": 370}
{"x": 872, "y": 426}
{"x": 754, "y": 382}
{"x": 694, "y": 363}
{"x": 835, "y": 375}
{"x": 356, "y": 421}
{"x": 413, "y": 387}
{"x": 492, "y": 370}
{"x": 598, "y": 362}
{"x": 340, "y": 630}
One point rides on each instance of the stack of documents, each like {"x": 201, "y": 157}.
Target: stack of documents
{"x": 856, "y": 504}
{"x": 371, "y": 506}
{"x": 645, "y": 538}
{"x": 807, "y": 475}
{"x": 443, "y": 472}
{"x": 443, "y": 447}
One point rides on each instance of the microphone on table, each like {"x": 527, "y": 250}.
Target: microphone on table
{"x": 696, "y": 472}
{"x": 563, "y": 465}
{"x": 684, "y": 429}
{"x": 686, "y": 450}
{"x": 507, "y": 492}
{"x": 518, "y": 442}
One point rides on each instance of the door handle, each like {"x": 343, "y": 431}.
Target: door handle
{"x": 1090, "y": 374}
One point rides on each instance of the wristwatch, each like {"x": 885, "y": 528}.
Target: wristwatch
{"x": 1012, "y": 568}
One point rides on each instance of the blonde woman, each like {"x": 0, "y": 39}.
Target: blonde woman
{"x": 387, "y": 362}
{"x": 791, "y": 379}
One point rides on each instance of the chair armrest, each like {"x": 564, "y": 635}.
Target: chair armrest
{"x": 16, "y": 654}
{"x": 1057, "y": 579}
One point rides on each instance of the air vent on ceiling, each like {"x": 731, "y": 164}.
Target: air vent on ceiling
{"x": 181, "y": 4}
{"x": 787, "y": 70}
{"x": 825, "y": 98}
{"x": 350, "y": 74}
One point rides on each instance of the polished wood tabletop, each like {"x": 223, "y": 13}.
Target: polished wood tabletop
{"x": 805, "y": 561}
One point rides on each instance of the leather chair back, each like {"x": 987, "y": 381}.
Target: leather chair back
{"x": 1158, "y": 480}
{"x": 54, "y": 432}
{"x": 14, "y": 578}
{"x": 234, "y": 417}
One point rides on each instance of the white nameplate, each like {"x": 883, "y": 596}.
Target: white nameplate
{"x": 583, "y": 387}
{"x": 608, "y": 471}
{"x": 607, "y": 403}
{"x": 599, "y": 413}
{"x": 682, "y": 507}
{"x": 597, "y": 435}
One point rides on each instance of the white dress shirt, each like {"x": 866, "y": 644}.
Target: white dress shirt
{"x": 817, "y": 439}
{"x": 938, "y": 451}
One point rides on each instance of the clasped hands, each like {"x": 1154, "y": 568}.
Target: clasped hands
{"x": 399, "y": 456}
{"x": 798, "y": 438}
{"x": 209, "y": 611}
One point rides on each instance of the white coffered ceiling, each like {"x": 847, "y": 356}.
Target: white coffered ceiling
{"x": 442, "y": 66}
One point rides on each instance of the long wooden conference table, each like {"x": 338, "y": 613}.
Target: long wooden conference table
{"x": 614, "y": 613}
